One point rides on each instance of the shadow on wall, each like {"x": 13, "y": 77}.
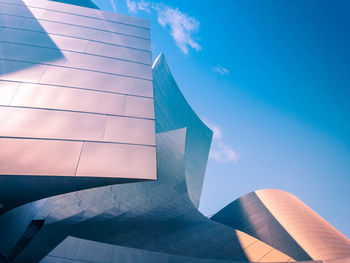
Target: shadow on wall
{"x": 248, "y": 214}
{"x": 10, "y": 52}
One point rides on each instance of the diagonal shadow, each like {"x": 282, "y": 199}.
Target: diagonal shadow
{"x": 9, "y": 62}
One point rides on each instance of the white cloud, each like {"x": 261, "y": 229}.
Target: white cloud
{"x": 134, "y": 6}
{"x": 222, "y": 153}
{"x": 114, "y": 6}
{"x": 219, "y": 151}
{"x": 221, "y": 70}
{"x": 182, "y": 26}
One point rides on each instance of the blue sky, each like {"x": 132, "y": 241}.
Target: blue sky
{"x": 272, "y": 79}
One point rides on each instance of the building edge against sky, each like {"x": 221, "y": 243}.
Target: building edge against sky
{"x": 78, "y": 89}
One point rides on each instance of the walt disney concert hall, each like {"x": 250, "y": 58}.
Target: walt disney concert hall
{"x": 103, "y": 160}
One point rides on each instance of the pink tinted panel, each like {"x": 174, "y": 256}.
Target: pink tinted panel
{"x": 117, "y": 160}
{"x": 38, "y": 157}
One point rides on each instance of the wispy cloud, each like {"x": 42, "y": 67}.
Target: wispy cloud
{"x": 114, "y": 6}
{"x": 134, "y": 6}
{"x": 182, "y": 26}
{"x": 220, "y": 151}
{"x": 221, "y": 70}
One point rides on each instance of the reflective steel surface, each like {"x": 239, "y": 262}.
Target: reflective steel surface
{"x": 76, "y": 98}
{"x": 106, "y": 153}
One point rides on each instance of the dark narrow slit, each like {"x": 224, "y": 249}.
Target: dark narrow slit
{"x": 33, "y": 228}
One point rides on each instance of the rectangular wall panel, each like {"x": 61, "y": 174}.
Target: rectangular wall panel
{"x": 17, "y": 2}
{"x": 55, "y": 56}
{"x": 130, "y": 130}
{"x": 117, "y": 39}
{"x": 97, "y": 81}
{"x": 139, "y": 107}
{"x": 69, "y": 18}
{"x": 8, "y": 91}
{"x": 7, "y": 20}
{"x": 108, "y": 50}
{"x": 85, "y": 33}
{"x": 95, "y": 23}
{"x": 117, "y": 160}
{"x": 20, "y": 36}
{"x": 42, "y": 39}
{"x": 51, "y": 97}
{"x": 21, "y": 71}
{"x": 107, "y": 65}
{"x": 77, "y": 10}
{"x": 36, "y": 123}
{"x": 62, "y": 29}
{"x": 23, "y": 156}
{"x": 32, "y": 54}
{"x": 15, "y": 35}
{"x": 20, "y": 10}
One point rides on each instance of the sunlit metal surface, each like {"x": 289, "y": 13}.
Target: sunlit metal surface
{"x": 284, "y": 222}
{"x": 52, "y": 97}
{"x": 72, "y": 104}
{"x": 315, "y": 235}
{"x": 173, "y": 112}
{"x": 39, "y": 157}
{"x": 126, "y": 161}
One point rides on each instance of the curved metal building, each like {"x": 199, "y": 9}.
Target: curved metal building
{"x": 102, "y": 159}
{"x": 76, "y": 99}
{"x": 281, "y": 220}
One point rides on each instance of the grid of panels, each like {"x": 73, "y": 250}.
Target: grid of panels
{"x": 75, "y": 83}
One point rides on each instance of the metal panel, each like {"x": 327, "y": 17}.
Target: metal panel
{"x": 85, "y": 33}
{"x": 21, "y": 71}
{"x": 95, "y": 23}
{"x": 117, "y": 160}
{"x": 119, "y": 52}
{"x": 17, "y": 2}
{"x": 139, "y": 107}
{"x": 14, "y": 35}
{"x": 35, "y": 123}
{"x": 7, "y": 91}
{"x": 120, "y": 18}
{"x": 67, "y": 8}
{"x": 32, "y": 54}
{"x": 130, "y": 130}
{"x": 69, "y": 43}
{"x": 20, "y": 10}
{"x": 7, "y": 20}
{"x": 77, "y": 10}
{"x": 53, "y": 5}
{"x": 97, "y": 81}
{"x": 173, "y": 111}
{"x": 41, "y": 39}
{"x": 22, "y": 156}
{"x": 108, "y": 65}
{"x": 314, "y": 234}
{"x": 113, "y": 38}
{"x": 63, "y": 29}
{"x": 51, "y": 97}
{"x": 57, "y": 6}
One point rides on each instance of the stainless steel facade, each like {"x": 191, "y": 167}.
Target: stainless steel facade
{"x": 281, "y": 220}
{"x": 76, "y": 100}
{"x": 82, "y": 108}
